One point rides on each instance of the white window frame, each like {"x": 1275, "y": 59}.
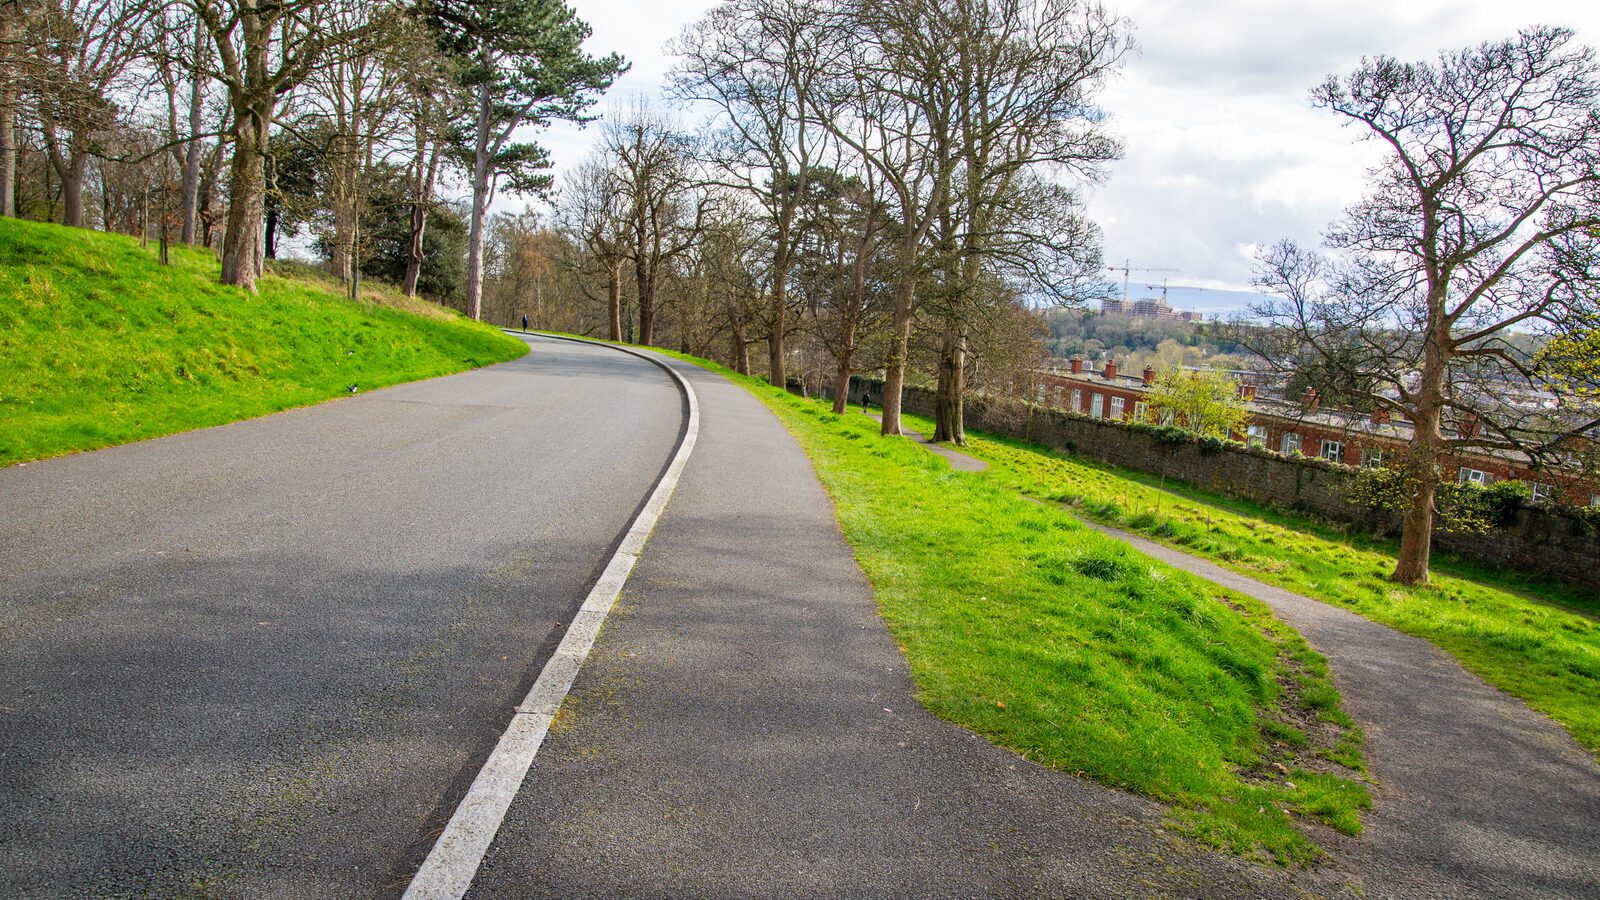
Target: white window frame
{"x": 1255, "y": 435}
{"x": 1372, "y": 457}
{"x": 1077, "y": 400}
{"x": 1337, "y": 448}
{"x": 1118, "y": 407}
{"x": 1038, "y": 394}
{"x": 1289, "y": 443}
{"x": 1141, "y": 411}
{"x": 1097, "y": 405}
{"x": 1541, "y": 492}
{"x": 1469, "y": 475}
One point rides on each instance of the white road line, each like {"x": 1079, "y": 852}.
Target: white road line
{"x": 448, "y": 871}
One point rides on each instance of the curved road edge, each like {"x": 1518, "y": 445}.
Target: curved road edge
{"x": 450, "y": 866}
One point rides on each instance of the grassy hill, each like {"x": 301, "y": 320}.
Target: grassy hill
{"x": 101, "y": 345}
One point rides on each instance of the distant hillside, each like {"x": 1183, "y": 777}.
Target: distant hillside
{"x": 101, "y": 345}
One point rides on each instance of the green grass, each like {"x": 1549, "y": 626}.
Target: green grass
{"x": 1538, "y": 642}
{"x": 1076, "y": 652}
{"x": 100, "y": 345}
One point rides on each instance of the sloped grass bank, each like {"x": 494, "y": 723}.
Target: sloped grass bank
{"x": 1072, "y": 650}
{"x": 101, "y": 345}
{"x": 1541, "y": 644}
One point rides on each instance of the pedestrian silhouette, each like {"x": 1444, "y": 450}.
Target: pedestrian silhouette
{"x": 524, "y": 323}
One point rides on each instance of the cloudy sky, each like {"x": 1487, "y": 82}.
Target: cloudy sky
{"x": 1223, "y": 152}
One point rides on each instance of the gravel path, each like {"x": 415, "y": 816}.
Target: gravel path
{"x": 1475, "y": 794}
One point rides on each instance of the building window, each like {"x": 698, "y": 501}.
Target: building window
{"x": 1332, "y": 451}
{"x": 1038, "y": 394}
{"x": 1542, "y": 493}
{"x": 1473, "y": 476}
{"x": 1141, "y": 411}
{"x": 1594, "y": 499}
{"x": 1166, "y": 417}
{"x": 1077, "y": 400}
{"x": 1097, "y": 405}
{"x": 1289, "y": 444}
{"x": 1371, "y": 458}
{"x": 1116, "y": 407}
{"x": 1058, "y": 391}
{"x": 1256, "y": 435}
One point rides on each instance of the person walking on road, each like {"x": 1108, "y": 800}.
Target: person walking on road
{"x": 524, "y": 324}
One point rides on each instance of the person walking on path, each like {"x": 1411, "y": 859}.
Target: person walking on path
{"x": 524, "y": 324}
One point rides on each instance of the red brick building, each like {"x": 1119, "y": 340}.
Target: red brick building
{"x": 1288, "y": 428}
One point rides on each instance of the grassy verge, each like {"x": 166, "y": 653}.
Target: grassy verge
{"x": 1540, "y": 644}
{"x": 1072, "y": 650}
{"x": 100, "y": 345}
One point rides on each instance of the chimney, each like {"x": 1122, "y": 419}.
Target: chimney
{"x": 1149, "y": 375}
{"x": 1077, "y": 366}
{"x": 1310, "y": 400}
{"x": 1380, "y": 415}
{"x": 1111, "y": 369}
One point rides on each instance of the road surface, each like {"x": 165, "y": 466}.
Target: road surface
{"x": 264, "y": 659}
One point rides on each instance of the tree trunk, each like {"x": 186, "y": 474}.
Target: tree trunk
{"x": 1422, "y": 461}
{"x": 775, "y": 373}
{"x": 480, "y": 205}
{"x": 841, "y": 386}
{"x": 948, "y": 410}
{"x": 190, "y": 187}
{"x": 243, "y": 246}
{"x": 646, "y": 288}
{"x": 422, "y": 192}
{"x": 419, "y": 225}
{"x": 894, "y": 369}
{"x": 72, "y": 179}
{"x": 614, "y": 300}
{"x": 8, "y": 152}
{"x": 269, "y": 234}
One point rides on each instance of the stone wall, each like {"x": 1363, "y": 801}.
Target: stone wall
{"x": 1553, "y": 543}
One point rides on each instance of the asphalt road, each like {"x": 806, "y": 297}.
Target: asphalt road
{"x": 746, "y": 727}
{"x": 264, "y": 659}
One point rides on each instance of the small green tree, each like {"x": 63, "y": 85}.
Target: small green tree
{"x": 1571, "y": 363}
{"x": 1206, "y": 403}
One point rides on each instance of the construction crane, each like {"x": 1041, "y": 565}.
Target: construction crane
{"x": 1128, "y": 268}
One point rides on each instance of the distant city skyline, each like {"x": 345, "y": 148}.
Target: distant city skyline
{"x": 1224, "y": 153}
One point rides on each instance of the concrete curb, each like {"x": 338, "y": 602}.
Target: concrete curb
{"x": 448, "y": 870}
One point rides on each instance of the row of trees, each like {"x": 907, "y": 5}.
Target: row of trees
{"x": 232, "y": 119}
{"x": 873, "y": 180}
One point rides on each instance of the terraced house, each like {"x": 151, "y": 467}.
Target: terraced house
{"x": 1303, "y": 427}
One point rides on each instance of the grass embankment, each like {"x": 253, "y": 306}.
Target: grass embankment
{"x": 1067, "y": 647}
{"x": 1539, "y": 643}
{"x": 100, "y": 345}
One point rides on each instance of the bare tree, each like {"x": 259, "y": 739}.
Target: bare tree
{"x": 845, "y": 224}
{"x": 263, "y": 50}
{"x": 757, "y": 62}
{"x": 888, "y": 94}
{"x": 1482, "y": 219}
{"x": 664, "y": 207}
{"x": 1027, "y": 73}
{"x": 84, "y": 49}
{"x": 594, "y": 210}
